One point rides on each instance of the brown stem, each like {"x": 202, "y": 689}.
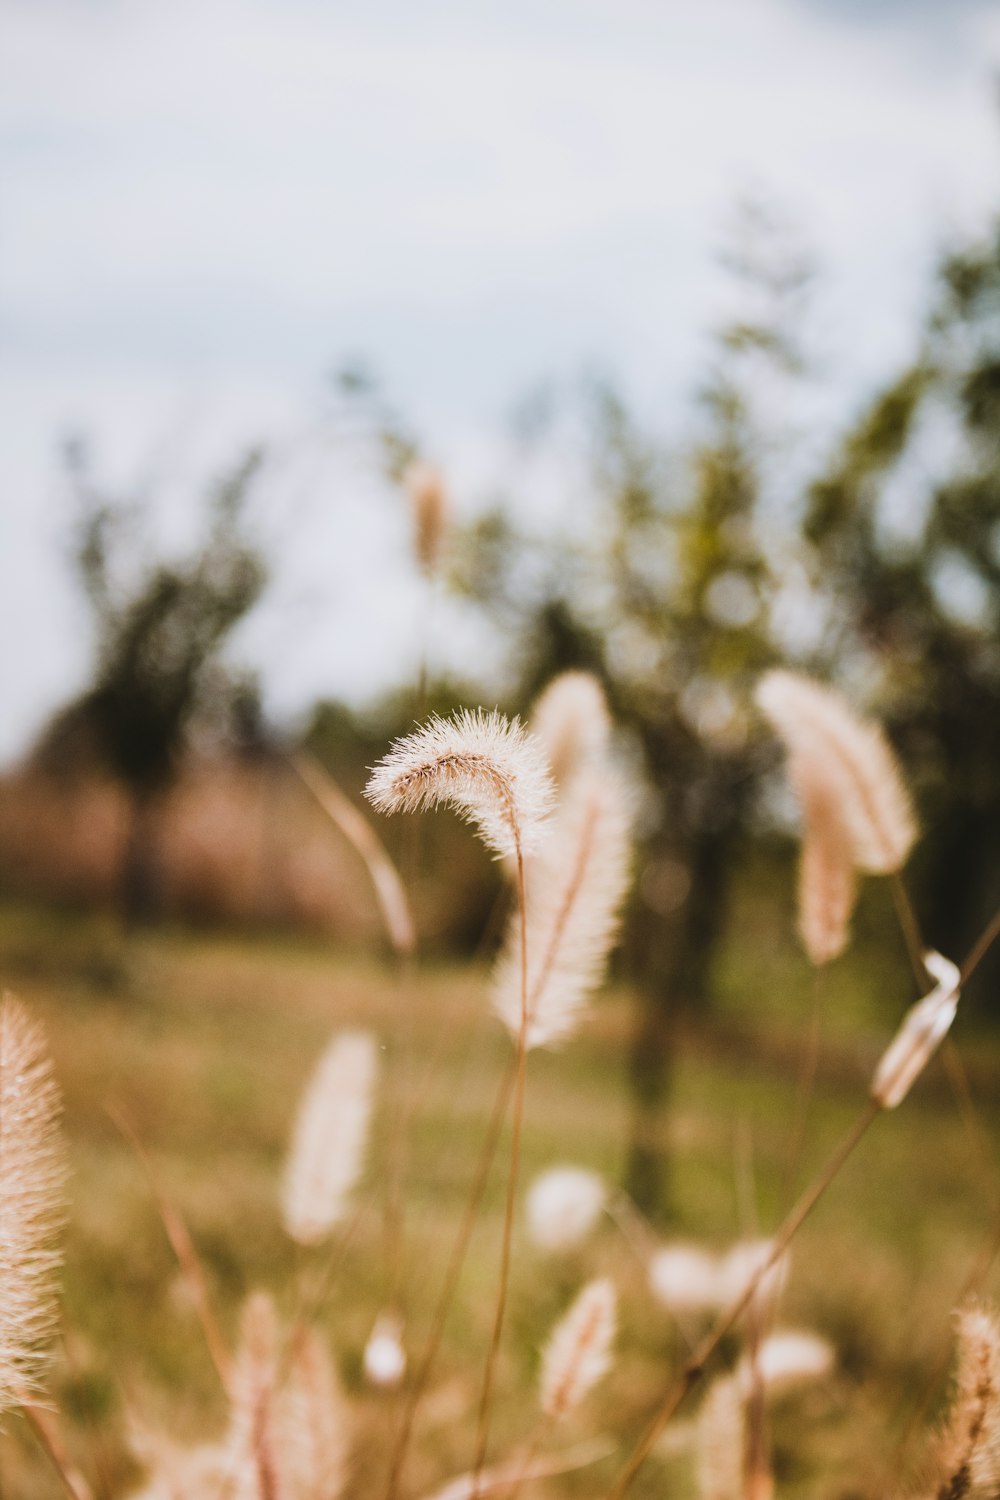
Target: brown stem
{"x": 483, "y": 1425}
{"x": 450, "y": 1284}
{"x": 42, "y": 1425}
{"x": 692, "y": 1370}
{"x": 981, "y": 947}
{"x": 910, "y": 928}
{"x": 183, "y": 1247}
{"x": 758, "y": 1316}
{"x": 808, "y": 1066}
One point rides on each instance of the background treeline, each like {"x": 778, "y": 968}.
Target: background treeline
{"x": 686, "y": 569}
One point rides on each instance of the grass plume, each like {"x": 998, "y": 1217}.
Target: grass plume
{"x": 827, "y": 880}
{"x": 481, "y": 764}
{"x": 570, "y": 721}
{"x": 32, "y": 1181}
{"x": 428, "y": 498}
{"x": 330, "y": 1136}
{"x": 578, "y": 1352}
{"x": 827, "y": 741}
{"x": 966, "y": 1464}
{"x": 574, "y": 889}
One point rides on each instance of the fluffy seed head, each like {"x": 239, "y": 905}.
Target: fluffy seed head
{"x": 311, "y": 1426}
{"x": 425, "y": 491}
{"x": 853, "y": 757}
{"x": 563, "y": 1205}
{"x": 32, "y": 1181}
{"x": 827, "y": 882}
{"x": 288, "y": 1427}
{"x": 790, "y": 1358}
{"x": 570, "y": 721}
{"x": 251, "y": 1460}
{"x": 688, "y": 1279}
{"x": 719, "y": 1442}
{"x": 484, "y": 766}
{"x": 966, "y": 1461}
{"x": 177, "y": 1473}
{"x": 574, "y": 889}
{"x": 578, "y": 1352}
{"x": 330, "y": 1135}
{"x": 384, "y": 1361}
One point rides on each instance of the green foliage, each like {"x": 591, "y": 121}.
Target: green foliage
{"x": 919, "y": 613}
{"x": 675, "y": 585}
{"x": 159, "y": 632}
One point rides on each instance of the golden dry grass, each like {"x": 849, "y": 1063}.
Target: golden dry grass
{"x": 206, "y": 1043}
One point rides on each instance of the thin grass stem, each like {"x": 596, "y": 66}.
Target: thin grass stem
{"x": 485, "y": 1404}
{"x": 805, "y": 1087}
{"x": 692, "y": 1370}
{"x": 981, "y": 947}
{"x": 450, "y": 1283}
{"x": 910, "y": 927}
{"x": 43, "y": 1426}
{"x": 183, "y": 1247}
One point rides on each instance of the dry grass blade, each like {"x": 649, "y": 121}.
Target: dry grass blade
{"x": 482, "y": 765}
{"x": 578, "y": 1352}
{"x": 389, "y": 892}
{"x": 331, "y": 1133}
{"x": 853, "y": 757}
{"x": 32, "y": 1181}
{"x": 574, "y": 887}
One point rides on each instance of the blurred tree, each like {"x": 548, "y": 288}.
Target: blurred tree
{"x": 665, "y": 592}
{"x": 905, "y": 527}
{"x": 693, "y": 575}
{"x": 160, "y": 629}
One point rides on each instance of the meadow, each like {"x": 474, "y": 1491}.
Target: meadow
{"x": 203, "y": 1042}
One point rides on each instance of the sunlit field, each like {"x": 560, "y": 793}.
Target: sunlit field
{"x": 202, "y": 1045}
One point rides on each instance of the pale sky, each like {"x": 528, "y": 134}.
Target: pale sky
{"x": 205, "y": 206}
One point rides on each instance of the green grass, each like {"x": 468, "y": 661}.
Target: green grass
{"x": 205, "y": 1042}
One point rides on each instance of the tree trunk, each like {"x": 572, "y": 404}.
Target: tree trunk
{"x": 142, "y": 868}
{"x": 678, "y": 971}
